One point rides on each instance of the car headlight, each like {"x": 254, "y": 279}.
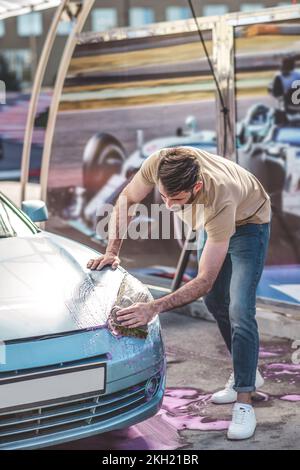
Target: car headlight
{"x": 130, "y": 292}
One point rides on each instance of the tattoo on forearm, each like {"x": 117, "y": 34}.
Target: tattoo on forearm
{"x": 192, "y": 290}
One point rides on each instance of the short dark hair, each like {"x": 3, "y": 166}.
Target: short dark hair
{"x": 288, "y": 64}
{"x": 178, "y": 169}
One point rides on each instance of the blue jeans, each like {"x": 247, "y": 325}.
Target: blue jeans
{"x": 232, "y": 300}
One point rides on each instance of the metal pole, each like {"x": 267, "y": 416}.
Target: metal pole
{"x": 36, "y": 88}
{"x": 223, "y": 59}
{"x": 182, "y": 261}
{"x": 61, "y": 74}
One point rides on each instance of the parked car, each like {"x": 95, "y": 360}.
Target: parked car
{"x": 64, "y": 374}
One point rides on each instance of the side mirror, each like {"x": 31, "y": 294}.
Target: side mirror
{"x": 36, "y": 210}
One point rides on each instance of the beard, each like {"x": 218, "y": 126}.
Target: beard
{"x": 180, "y": 207}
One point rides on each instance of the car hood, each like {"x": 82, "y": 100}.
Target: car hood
{"x": 46, "y": 288}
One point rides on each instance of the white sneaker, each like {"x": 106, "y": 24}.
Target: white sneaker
{"x": 228, "y": 395}
{"x": 243, "y": 422}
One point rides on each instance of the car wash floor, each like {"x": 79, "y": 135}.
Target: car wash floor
{"x": 198, "y": 365}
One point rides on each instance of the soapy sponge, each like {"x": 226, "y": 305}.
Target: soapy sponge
{"x": 118, "y": 329}
{"x": 131, "y": 291}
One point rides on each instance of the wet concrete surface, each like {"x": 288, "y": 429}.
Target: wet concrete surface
{"x": 198, "y": 365}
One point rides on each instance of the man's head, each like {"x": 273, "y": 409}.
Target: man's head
{"x": 179, "y": 178}
{"x": 288, "y": 64}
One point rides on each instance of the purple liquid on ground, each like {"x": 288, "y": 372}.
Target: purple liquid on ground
{"x": 283, "y": 367}
{"x": 264, "y": 354}
{"x": 182, "y": 409}
{"x": 290, "y": 397}
{"x": 262, "y": 396}
{"x": 282, "y": 372}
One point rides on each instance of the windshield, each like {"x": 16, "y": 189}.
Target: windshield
{"x": 14, "y": 223}
{"x": 288, "y": 135}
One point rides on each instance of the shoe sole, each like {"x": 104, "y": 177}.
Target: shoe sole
{"x": 240, "y": 438}
{"x": 222, "y": 402}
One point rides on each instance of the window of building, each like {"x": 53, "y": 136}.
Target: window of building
{"x": 251, "y": 6}
{"x": 2, "y": 28}
{"x": 19, "y": 60}
{"x": 30, "y": 24}
{"x": 217, "y": 9}
{"x": 104, "y": 19}
{"x": 177, "y": 13}
{"x": 64, "y": 28}
{"x": 139, "y": 16}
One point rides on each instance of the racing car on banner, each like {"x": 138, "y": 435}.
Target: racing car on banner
{"x": 268, "y": 142}
{"x": 271, "y": 151}
{"x": 107, "y": 170}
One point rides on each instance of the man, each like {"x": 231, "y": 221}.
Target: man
{"x": 285, "y": 88}
{"x": 237, "y": 224}
{"x": 284, "y": 80}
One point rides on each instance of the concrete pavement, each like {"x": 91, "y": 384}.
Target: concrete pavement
{"x": 197, "y": 359}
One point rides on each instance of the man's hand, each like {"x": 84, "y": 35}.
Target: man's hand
{"x": 136, "y": 315}
{"x": 104, "y": 260}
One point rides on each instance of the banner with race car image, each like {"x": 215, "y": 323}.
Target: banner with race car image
{"x": 121, "y": 101}
{"x": 125, "y": 98}
{"x": 268, "y": 134}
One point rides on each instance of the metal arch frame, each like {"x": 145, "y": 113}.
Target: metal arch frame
{"x": 61, "y": 74}
{"x": 36, "y": 88}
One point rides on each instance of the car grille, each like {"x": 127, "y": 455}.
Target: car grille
{"x": 66, "y": 414}
{"x": 61, "y": 416}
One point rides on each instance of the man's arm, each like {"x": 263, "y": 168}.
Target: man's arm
{"x": 133, "y": 193}
{"x": 211, "y": 261}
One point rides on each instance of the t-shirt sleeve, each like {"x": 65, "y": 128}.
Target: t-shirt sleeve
{"x": 148, "y": 169}
{"x": 221, "y": 225}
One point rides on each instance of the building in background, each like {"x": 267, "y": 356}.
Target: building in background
{"x": 22, "y": 37}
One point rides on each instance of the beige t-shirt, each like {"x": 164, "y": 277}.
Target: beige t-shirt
{"x": 230, "y": 196}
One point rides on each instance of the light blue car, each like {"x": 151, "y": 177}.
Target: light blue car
{"x": 64, "y": 375}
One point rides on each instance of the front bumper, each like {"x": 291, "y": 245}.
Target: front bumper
{"x": 81, "y": 418}
{"x": 128, "y": 399}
